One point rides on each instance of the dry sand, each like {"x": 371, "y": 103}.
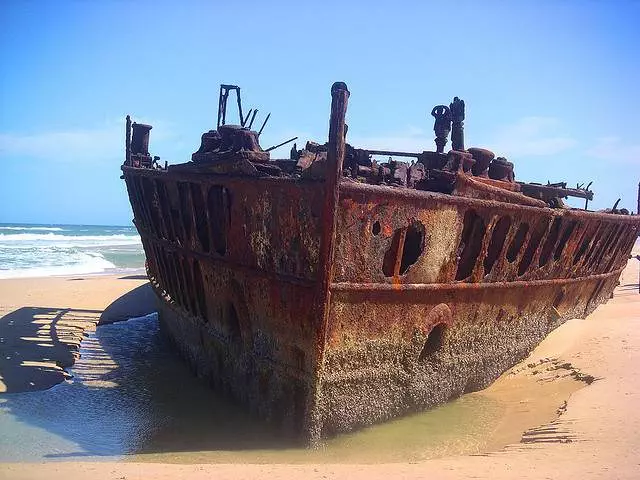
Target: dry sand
{"x": 597, "y": 435}
{"x": 42, "y": 322}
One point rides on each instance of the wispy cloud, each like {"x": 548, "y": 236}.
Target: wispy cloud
{"x": 532, "y": 136}
{"x": 412, "y": 139}
{"x": 94, "y": 144}
{"x": 613, "y": 149}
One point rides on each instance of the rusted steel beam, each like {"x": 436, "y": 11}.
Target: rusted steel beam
{"x": 335, "y": 158}
{"x": 253, "y": 117}
{"x": 551, "y": 191}
{"x": 391, "y": 153}
{"x": 430, "y": 287}
{"x": 301, "y": 282}
{"x": 264, "y": 123}
{"x": 281, "y": 144}
{"x": 423, "y": 197}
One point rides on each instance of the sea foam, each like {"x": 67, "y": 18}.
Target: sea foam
{"x": 34, "y": 251}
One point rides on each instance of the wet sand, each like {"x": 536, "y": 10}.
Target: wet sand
{"x": 596, "y": 436}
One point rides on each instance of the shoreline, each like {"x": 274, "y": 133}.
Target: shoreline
{"x": 596, "y": 435}
{"x": 105, "y": 273}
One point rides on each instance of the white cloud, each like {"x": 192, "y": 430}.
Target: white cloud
{"x": 613, "y": 149}
{"x": 531, "y": 136}
{"x": 413, "y": 139}
{"x": 99, "y": 143}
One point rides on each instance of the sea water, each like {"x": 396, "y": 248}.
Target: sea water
{"x": 46, "y": 250}
{"x": 130, "y": 395}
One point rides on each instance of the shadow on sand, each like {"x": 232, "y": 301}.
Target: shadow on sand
{"x": 37, "y": 343}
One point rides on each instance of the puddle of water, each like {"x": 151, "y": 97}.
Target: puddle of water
{"x": 131, "y": 396}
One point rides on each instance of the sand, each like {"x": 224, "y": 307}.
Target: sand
{"x": 596, "y": 436}
{"x": 43, "y": 320}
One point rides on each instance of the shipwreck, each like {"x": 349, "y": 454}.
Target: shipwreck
{"x": 331, "y": 290}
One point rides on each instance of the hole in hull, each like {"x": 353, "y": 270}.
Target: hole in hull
{"x": 470, "y": 243}
{"x": 219, "y": 217}
{"x": 202, "y": 228}
{"x": 413, "y": 246}
{"x": 498, "y": 237}
{"x": 185, "y": 207}
{"x": 410, "y": 242}
{"x": 564, "y": 239}
{"x": 434, "y": 341}
{"x": 534, "y": 242}
{"x": 517, "y": 242}
{"x": 550, "y": 242}
{"x": 200, "y": 294}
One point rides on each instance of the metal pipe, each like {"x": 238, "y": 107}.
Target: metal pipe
{"x": 222, "y": 105}
{"x": 264, "y": 123}
{"x": 243, "y": 121}
{"x": 393, "y": 154}
{"x": 239, "y": 102}
{"x": 281, "y": 144}
{"x": 255, "y": 112}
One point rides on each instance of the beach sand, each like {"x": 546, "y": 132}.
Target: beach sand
{"x": 597, "y": 434}
{"x": 43, "y": 320}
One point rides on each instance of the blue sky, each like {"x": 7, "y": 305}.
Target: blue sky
{"x": 551, "y": 85}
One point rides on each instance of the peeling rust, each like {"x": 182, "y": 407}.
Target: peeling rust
{"x": 328, "y": 291}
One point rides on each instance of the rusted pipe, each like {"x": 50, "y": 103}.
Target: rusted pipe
{"x": 393, "y": 154}
{"x": 264, "y": 123}
{"x": 253, "y": 117}
{"x": 453, "y": 286}
{"x": 243, "y": 121}
{"x": 281, "y": 144}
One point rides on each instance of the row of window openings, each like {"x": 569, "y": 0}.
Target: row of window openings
{"x": 209, "y": 220}
{"x": 180, "y": 278}
{"x": 407, "y": 244}
{"x": 594, "y": 246}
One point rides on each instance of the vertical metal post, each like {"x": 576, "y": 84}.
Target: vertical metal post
{"x": 335, "y": 158}
{"x": 222, "y": 105}
{"x": 127, "y": 155}
{"x": 239, "y": 103}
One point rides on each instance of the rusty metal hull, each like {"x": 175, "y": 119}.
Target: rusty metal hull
{"x": 473, "y": 299}
{"x": 324, "y": 317}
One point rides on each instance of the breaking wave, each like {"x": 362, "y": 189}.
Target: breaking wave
{"x": 69, "y": 240}
{"x": 35, "y": 251}
{"x": 72, "y": 264}
{"x": 48, "y": 229}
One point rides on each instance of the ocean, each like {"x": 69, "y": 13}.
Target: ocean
{"x": 40, "y": 250}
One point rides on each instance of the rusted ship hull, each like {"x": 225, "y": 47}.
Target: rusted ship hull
{"x": 325, "y": 305}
